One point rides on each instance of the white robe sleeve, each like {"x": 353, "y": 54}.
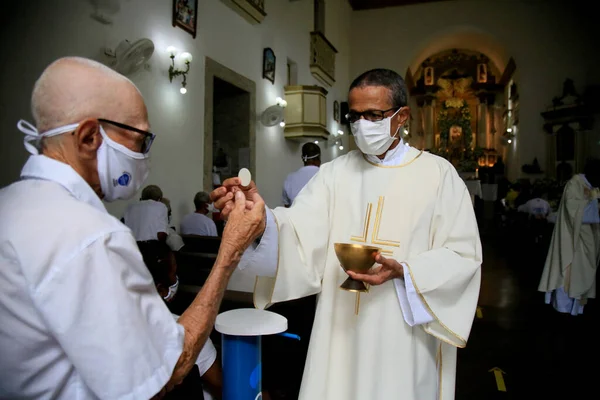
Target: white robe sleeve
{"x": 261, "y": 258}
{"x": 103, "y": 309}
{"x": 447, "y": 277}
{"x": 413, "y": 309}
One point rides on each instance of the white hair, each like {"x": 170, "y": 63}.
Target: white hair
{"x": 60, "y": 96}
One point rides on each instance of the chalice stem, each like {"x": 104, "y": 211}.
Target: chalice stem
{"x": 357, "y": 305}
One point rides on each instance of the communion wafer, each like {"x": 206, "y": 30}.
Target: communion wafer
{"x": 245, "y": 176}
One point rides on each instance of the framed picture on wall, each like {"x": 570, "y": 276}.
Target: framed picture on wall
{"x": 185, "y": 15}
{"x": 269, "y": 64}
{"x": 336, "y": 111}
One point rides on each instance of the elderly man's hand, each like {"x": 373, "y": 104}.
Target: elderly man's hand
{"x": 245, "y": 224}
{"x": 389, "y": 269}
{"x": 223, "y": 196}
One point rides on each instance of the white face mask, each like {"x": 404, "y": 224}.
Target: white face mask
{"x": 373, "y": 137}
{"x": 121, "y": 171}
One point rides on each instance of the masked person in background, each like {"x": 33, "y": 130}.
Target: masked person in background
{"x": 81, "y": 316}
{"x": 295, "y": 182}
{"x": 417, "y": 210}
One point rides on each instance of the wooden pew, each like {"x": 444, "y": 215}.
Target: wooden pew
{"x": 193, "y": 268}
{"x": 201, "y": 244}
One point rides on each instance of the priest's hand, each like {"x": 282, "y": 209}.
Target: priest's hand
{"x": 389, "y": 269}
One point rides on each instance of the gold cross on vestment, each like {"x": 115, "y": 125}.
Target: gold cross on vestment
{"x": 375, "y": 239}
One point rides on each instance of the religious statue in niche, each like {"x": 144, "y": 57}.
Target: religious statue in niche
{"x": 481, "y": 73}
{"x": 429, "y": 77}
{"x": 455, "y": 134}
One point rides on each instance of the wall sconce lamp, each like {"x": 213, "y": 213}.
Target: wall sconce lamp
{"x": 174, "y": 72}
{"x": 283, "y": 104}
{"x": 335, "y": 143}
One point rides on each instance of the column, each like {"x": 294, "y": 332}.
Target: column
{"x": 491, "y": 139}
{"x": 482, "y": 123}
{"x": 428, "y": 123}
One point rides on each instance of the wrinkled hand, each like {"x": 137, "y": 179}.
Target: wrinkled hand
{"x": 223, "y": 196}
{"x": 245, "y": 223}
{"x": 389, "y": 269}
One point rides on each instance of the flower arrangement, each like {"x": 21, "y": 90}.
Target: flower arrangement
{"x": 456, "y": 113}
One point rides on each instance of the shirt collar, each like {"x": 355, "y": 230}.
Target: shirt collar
{"x": 42, "y": 167}
{"x": 393, "y": 157}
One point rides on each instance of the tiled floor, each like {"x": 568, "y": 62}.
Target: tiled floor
{"x": 542, "y": 354}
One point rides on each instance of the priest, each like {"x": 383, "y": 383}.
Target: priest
{"x": 424, "y": 290}
{"x": 569, "y": 276}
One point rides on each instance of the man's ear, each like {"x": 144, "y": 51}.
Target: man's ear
{"x": 403, "y": 115}
{"x": 88, "y": 138}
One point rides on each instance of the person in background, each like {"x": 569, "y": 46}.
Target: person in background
{"x": 174, "y": 240}
{"x": 197, "y": 223}
{"x": 512, "y": 195}
{"x": 81, "y": 317}
{"x": 161, "y": 264}
{"x": 569, "y": 276}
{"x": 537, "y": 207}
{"x": 148, "y": 219}
{"x": 295, "y": 182}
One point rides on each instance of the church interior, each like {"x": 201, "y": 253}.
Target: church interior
{"x": 507, "y": 91}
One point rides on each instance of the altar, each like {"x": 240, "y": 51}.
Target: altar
{"x": 459, "y": 104}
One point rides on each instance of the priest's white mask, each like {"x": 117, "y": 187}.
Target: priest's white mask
{"x": 373, "y": 137}
{"x": 121, "y": 171}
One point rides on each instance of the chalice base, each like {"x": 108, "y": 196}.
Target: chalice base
{"x": 352, "y": 285}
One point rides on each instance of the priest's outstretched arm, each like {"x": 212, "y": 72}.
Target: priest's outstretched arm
{"x": 299, "y": 237}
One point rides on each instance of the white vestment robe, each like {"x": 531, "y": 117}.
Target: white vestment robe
{"x": 420, "y": 214}
{"x": 569, "y": 274}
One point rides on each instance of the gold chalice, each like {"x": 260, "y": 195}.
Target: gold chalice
{"x": 356, "y": 258}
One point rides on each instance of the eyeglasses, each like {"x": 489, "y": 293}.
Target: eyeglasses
{"x": 148, "y": 137}
{"x": 369, "y": 115}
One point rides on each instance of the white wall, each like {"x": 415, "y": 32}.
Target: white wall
{"x": 36, "y": 33}
{"x": 549, "y": 40}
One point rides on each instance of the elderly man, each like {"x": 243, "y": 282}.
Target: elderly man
{"x": 416, "y": 209}
{"x": 148, "y": 219}
{"x": 295, "y": 182}
{"x": 197, "y": 223}
{"x": 81, "y": 317}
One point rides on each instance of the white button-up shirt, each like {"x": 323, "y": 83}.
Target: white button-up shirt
{"x": 198, "y": 224}
{"x": 80, "y": 315}
{"x": 147, "y": 219}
